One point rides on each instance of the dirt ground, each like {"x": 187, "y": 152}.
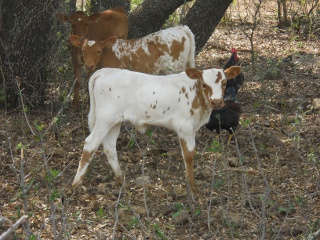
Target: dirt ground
{"x": 263, "y": 185}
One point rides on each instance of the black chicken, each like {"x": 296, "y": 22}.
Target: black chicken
{"x": 233, "y": 85}
{"x": 225, "y": 118}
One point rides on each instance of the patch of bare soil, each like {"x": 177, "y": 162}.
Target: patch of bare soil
{"x": 263, "y": 185}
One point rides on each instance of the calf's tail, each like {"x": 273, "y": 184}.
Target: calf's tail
{"x": 192, "y": 53}
{"x": 92, "y": 112}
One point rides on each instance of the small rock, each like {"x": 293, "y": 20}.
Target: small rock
{"x": 94, "y": 205}
{"x": 143, "y": 181}
{"x": 256, "y": 78}
{"x": 316, "y": 104}
{"x": 179, "y": 191}
{"x": 180, "y": 217}
{"x": 174, "y": 153}
{"x": 273, "y": 73}
{"x": 233, "y": 218}
{"x": 73, "y": 155}
{"x": 139, "y": 210}
{"x": 233, "y": 162}
{"x": 59, "y": 153}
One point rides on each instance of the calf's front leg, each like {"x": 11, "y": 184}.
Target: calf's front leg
{"x": 187, "y": 145}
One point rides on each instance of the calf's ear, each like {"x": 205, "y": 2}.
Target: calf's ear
{"x": 193, "y": 73}
{"x": 108, "y": 43}
{"x": 94, "y": 17}
{"x": 232, "y": 72}
{"x": 76, "y": 40}
{"x": 63, "y": 17}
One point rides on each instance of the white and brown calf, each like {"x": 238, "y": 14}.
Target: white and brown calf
{"x": 164, "y": 52}
{"x": 180, "y": 102}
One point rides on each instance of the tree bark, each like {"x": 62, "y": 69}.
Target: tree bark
{"x": 102, "y": 5}
{"x": 72, "y": 6}
{"x": 203, "y": 17}
{"x": 107, "y": 4}
{"x": 25, "y": 42}
{"x": 150, "y": 16}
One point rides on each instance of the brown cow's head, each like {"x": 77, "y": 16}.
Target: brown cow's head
{"x": 79, "y": 22}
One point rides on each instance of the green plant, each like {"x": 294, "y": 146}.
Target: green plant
{"x": 312, "y": 157}
{"x": 54, "y": 195}
{"x": 245, "y": 122}
{"x": 149, "y": 134}
{"x": 285, "y": 210}
{"x": 158, "y": 231}
{"x": 218, "y": 183}
{"x": 315, "y": 225}
{"x": 178, "y": 207}
{"x": 215, "y": 146}
{"x": 300, "y": 201}
{"x": 133, "y": 222}
{"x": 231, "y": 225}
{"x": 131, "y": 142}
{"x": 20, "y": 146}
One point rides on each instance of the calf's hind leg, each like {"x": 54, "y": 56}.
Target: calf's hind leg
{"x": 110, "y": 149}
{"x": 92, "y": 142}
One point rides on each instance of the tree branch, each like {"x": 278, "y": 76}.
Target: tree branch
{"x": 12, "y": 227}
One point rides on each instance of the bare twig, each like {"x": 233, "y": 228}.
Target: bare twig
{"x": 116, "y": 210}
{"x": 211, "y": 193}
{"x": 12, "y": 227}
{"x": 24, "y": 190}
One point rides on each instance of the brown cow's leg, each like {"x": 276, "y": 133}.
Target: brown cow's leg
{"x": 188, "y": 150}
{"x": 76, "y": 90}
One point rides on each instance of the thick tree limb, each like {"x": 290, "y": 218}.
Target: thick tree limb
{"x": 203, "y": 18}
{"x": 150, "y": 16}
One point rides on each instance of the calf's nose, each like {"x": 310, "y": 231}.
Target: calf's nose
{"x": 217, "y": 103}
{"x": 89, "y": 67}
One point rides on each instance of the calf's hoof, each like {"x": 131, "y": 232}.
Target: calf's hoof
{"x": 76, "y": 184}
{"x": 120, "y": 180}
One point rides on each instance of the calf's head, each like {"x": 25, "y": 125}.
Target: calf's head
{"x": 211, "y": 85}
{"x": 79, "y": 22}
{"x": 92, "y": 49}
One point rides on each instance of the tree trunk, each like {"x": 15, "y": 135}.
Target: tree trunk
{"x": 25, "y": 42}
{"x": 107, "y": 4}
{"x": 72, "y": 6}
{"x": 150, "y": 16}
{"x": 102, "y": 5}
{"x": 203, "y": 17}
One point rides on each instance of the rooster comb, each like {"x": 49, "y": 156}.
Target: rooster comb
{"x": 233, "y": 50}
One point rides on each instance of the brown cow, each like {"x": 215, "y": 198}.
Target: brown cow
{"x": 112, "y": 22}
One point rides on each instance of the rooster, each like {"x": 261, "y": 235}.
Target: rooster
{"x": 225, "y": 118}
{"x": 233, "y": 85}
